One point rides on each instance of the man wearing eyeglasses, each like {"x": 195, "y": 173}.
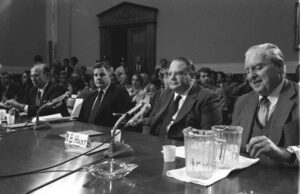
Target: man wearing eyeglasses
{"x": 183, "y": 104}
{"x": 42, "y": 92}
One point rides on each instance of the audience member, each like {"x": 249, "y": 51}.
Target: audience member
{"x": 146, "y": 82}
{"x": 164, "y": 64}
{"x": 8, "y": 89}
{"x": 26, "y": 85}
{"x": 122, "y": 69}
{"x": 77, "y": 87}
{"x": 139, "y": 65}
{"x": 136, "y": 92}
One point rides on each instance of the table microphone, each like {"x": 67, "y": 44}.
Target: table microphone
{"x": 50, "y": 103}
{"x": 134, "y": 120}
{"x": 121, "y": 149}
{"x": 59, "y": 99}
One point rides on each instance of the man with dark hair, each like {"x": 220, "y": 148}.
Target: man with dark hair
{"x": 43, "y": 92}
{"x": 139, "y": 65}
{"x": 99, "y": 106}
{"x": 204, "y": 74}
{"x": 269, "y": 114}
{"x": 164, "y": 65}
{"x": 183, "y": 104}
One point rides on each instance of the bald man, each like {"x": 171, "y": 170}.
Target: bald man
{"x": 42, "y": 92}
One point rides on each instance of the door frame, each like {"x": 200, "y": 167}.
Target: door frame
{"x": 129, "y": 15}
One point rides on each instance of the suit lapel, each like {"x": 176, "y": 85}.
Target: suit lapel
{"x": 165, "y": 101}
{"x": 187, "y": 105}
{"x": 106, "y": 98}
{"x": 281, "y": 112}
{"x": 250, "y": 111}
{"x": 45, "y": 96}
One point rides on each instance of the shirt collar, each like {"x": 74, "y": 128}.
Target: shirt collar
{"x": 273, "y": 97}
{"x": 184, "y": 94}
{"x": 43, "y": 88}
{"x": 105, "y": 89}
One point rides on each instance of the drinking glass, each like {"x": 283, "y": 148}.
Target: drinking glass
{"x": 2, "y": 114}
{"x": 228, "y": 144}
{"x": 199, "y": 152}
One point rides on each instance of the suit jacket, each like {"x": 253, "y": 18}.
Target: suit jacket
{"x": 51, "y": 91}
{"x": 284, "y": 126}
{"x": 115, "y": 100}
{"x": 201, "y": 109}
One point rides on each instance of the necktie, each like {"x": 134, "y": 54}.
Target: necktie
{"x": 96, "y": 107}
{"x": 172, "y": 109}
{"x": 263, "y": 111}
{"x": 38, "y": 98}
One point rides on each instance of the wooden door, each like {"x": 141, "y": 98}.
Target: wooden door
{"x": 136, "y": 46}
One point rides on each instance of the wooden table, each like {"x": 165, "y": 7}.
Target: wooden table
{"x": 31, "y": 150}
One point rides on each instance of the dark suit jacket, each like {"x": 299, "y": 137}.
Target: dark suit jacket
{"x": 115, "y": 100}
{"x": 201, "y": 109}
{"x": 284, "y": 128}
{"x": 51, "y": 91}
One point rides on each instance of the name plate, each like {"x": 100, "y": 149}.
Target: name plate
{"x": 77, "y": 139}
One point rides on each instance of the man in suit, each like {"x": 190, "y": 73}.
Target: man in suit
{"x": 99, "y": 106}
{"x": 269, "y": 114}
{"x": 139, "y": 65}
{"x": 42, "y": 92}
{"x": 183, "y": 104}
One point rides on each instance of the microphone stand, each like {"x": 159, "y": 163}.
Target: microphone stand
{"x": 38, "y": 115}
{"x": 118, "y": 149}
{"x": 50, "y": 103}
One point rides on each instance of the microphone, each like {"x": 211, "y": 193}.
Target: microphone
{"x": 50, "y": 103}
{"x": 59, "y": 99}
{"x": 135, "y": 119}
{"x": 134, "y": 109}
{"x": 121, "y": 149}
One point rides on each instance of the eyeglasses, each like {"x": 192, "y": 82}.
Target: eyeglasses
{"x": 176, "y": 74}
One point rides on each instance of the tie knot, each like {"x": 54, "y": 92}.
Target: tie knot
{"x": 178, "y": 98}
{"x": 264, "y": 101}
{"x": 100, "y": 92}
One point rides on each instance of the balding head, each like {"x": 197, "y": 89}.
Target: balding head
{"x": 40, "y": 74}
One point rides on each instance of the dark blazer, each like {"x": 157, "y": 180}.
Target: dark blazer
{"x": 51, "y": 91}
{"x": 284, "y": 128}
{"x": 115, "y": 100}
{"x": 201, "y": 109}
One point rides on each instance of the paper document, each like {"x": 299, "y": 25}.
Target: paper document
{"x": 19, "y": 125}
{"x": 54, "y": 117}
{"x": 76, "y": 108}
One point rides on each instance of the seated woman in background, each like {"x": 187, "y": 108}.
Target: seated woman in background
{"x": 136, "y": 92}
{"x": 77, "y": 87}
{"x": 26, "y": 84}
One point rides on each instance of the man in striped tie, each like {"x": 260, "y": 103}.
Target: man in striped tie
{"x": 183, "y": 104}
{"x": 269, "y": 114}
